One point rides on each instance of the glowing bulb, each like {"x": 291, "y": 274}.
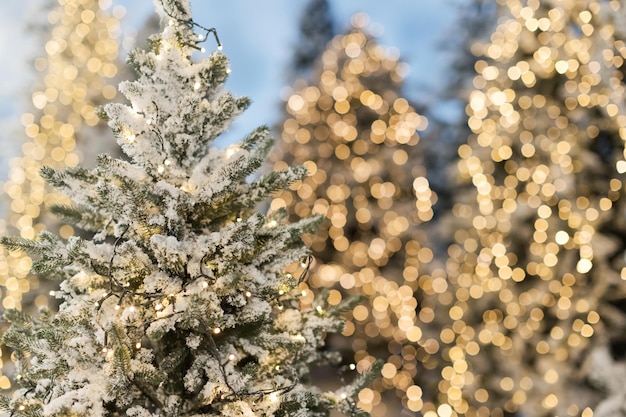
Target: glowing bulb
{"x": 304, "y": 293}
{"x": 205, "y": 284}
{"x": 239, "y": 219}
{"x": 52, "y": 293}
{"x": 273, "y": 223}
{"x": 117, "y": 307}
{"x": 319, "y": 309}
{"x": 232, "y": 357}
{"x": 277, "y": 367}
{"x": 148, "y": 121}
{"x": 131, "y": 138}
{"x": 344, "y": 396}
{"x": 274, "y": 397}
{"x": 217, "y": 330}
{"x": 131, "y": 309}
{"x": 202, "y": 50}
{"x": 352, "y": 367}
{"x": 171, "y": 23}
{"x": 161, "y": 169}
{"x": 167, "y": 162}
{"x": 105, "y": 350}
{"x": 248, "y": 294}
{"x": 200, "y": 37}
{"x": 158, "y": 307}
{"x": 21, "y": 408}
{"x": 138, "y": 345}
{"x": 219, "y": 47}
{"x": 281, "y": 292}
{"x": 196, "y": 86}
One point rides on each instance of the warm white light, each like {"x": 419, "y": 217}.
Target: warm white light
{"x": 197, "y": 85}
{"x": 161, "y": 169}
{"x": 248, "y": 294}
{"x": 138, "y": 345}
{"x": 158, "y": 307}
{"x": 232, "y": 357}
{"x": 217, "y": 330}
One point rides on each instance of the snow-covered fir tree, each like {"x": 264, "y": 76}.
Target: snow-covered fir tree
{"x": 186, "y": 300}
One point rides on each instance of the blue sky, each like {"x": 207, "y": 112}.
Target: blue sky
{"x": 258, "y": 37}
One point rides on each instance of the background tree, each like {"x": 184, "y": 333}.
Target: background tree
{"x": 359, "y": 139}
{"x": 77, "y": 73}
{"x": 183, "y": 300}
{"x": 535, "y": 286}
{"x": 316, "y": 30}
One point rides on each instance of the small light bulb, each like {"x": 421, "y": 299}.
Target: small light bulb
{"x": 219, "y": 47}
{"x": 21, "y": 408}
{"x": 138, "y": 345}
{"x": 232, "y": 357}
{"x": 304, "y": 293}
{"x": 161, "y": 169}
{"x": 217, "y": 330}
{"x": 52, "y": 293}
{"x": 248, "y": 294}
{"x": 319, "y": 309}
{"x": 131, "y": 137}
{"x": 131, "y": 309}
{"x": 105, "y": 350}
{"x": 167, "y": 162}
{"x": 148, "y": 121}
{"x": 352, "y": 367}
{"x": 344, "y": 396}
{"x": 202, "y": 50}
{"x": 200, "y": 37}
{"x": 273, "y": 223}
{"x": 277, "y": 367}
{"x": 239, "y": 219}
{"x": 158, "y": 307}
{"x": 117, "y": 307}
{"x": 171, "y": 23}
{"x": 205, "y": 284}
{"x": 196, "y": 86}
{"x": 281, "y": 292}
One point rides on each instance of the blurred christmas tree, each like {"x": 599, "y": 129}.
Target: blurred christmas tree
{"x": 184, "y": 301}
{"x": 77, "y": 73}
{"x": 535, "y": 290}
{"x": 358, "y": 137}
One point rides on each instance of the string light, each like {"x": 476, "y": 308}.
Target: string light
{"x": 232, "y": 357}
{"x": 217, "y": 330}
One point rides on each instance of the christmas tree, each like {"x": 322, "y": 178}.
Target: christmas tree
{"x": 534, "y": 296}
{"x": 76, "y": 74}
{"x": 184, "y": 301}
{"x": 359, "y": 138}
